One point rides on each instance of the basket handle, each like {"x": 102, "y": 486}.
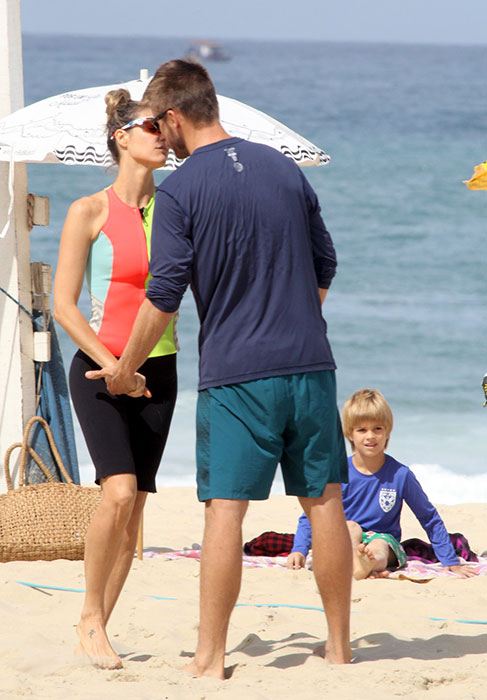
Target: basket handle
{"x": 52, "y": 444}
{"x": 26, "y": 448}
{"x": 34, "y": 456}
{"x": 6, "y": 467}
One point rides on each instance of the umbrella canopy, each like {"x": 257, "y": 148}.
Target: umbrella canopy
{"x": 70, "y": 128}
{"x": 478, "y": 181}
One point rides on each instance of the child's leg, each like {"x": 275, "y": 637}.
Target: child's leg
{"x": 355, "y": 533}
{"x": 379, "y": 552}
{"x": 362, "y": 561}
{"x": 376, "y": 553}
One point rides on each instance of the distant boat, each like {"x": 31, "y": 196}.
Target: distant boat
{"x": 204, "y": 50}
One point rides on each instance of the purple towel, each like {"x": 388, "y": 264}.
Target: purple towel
{"x": 423, "y": 551}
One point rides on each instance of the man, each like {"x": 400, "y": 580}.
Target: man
{"x": 239, "y": 223}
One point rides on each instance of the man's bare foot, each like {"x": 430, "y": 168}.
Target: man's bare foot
{"x": 331, "y": 656}
{"x": 198, "y": 670}
{"x": 93, "y": 643}
{"x": 335, "y": 655}
{"x": 363, "y": 562}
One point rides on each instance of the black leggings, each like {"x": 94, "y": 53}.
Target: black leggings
{"x": 125, "y": 435}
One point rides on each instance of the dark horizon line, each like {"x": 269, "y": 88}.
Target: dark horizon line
{"x": 382, "y": 42}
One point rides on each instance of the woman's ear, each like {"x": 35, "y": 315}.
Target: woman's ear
{"x": 121, "y": 137}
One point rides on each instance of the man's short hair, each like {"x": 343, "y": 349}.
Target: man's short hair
{"x": 185, "y": 86}
{"x": 366, "y": 405}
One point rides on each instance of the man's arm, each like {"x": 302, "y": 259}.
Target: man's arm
{"x": 149, "y": 325}
{"x": 323, "y": 250}
{"x": 322, "y": 293}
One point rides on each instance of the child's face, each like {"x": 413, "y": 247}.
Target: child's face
{"x": 369, "y": 439}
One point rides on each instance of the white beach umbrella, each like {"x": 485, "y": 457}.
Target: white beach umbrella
{"x": 70, "y": 128}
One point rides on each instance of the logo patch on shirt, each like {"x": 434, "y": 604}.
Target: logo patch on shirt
{"x": 232, "y": 153}
{"x": 387, "y": 499}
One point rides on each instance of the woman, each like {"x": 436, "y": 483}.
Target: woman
{"x": 108, "y": 235}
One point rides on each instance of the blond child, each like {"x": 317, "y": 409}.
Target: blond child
{"x": 373, "y": 498}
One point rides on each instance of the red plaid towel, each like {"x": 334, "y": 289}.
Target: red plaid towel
{"x": 270, "y": 544}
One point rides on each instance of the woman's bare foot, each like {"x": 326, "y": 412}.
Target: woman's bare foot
{"x": 93, "y": 642}
{"x": 364, "y": 562}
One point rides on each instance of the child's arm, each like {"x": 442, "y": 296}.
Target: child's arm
{"x": 434, "y": 526}
{"x": 302, "y": 544}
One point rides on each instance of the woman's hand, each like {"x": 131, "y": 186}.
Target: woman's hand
{"x": 120, "y": 383}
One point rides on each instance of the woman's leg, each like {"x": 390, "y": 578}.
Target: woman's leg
{"x": 102, "y": 549}
{"x": 125, "y": 557}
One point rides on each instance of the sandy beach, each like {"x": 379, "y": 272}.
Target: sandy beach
{"x": 398, "y": 649}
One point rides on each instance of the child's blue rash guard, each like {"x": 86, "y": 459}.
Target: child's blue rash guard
{"x": 374, "y": 501}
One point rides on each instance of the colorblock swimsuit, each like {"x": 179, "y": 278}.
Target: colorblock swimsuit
{"x": 124, "y": 435}
{"x": 117, "y": 274}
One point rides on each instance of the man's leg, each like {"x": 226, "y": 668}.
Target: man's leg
{"x": 221, "y": 573}
{"x": 332, "y": 565}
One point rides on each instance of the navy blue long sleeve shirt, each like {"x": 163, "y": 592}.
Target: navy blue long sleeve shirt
{"x": 240, "y": 223}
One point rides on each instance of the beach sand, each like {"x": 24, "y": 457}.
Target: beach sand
{"x": 398, "y": 649}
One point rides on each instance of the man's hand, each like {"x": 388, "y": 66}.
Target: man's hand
{"x": 296, "y": 560}
{"x": 120, "y": 383}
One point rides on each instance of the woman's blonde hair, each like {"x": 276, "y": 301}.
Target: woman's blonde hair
{"x": 366, "y": 405}
{"x": 121, "y": 109}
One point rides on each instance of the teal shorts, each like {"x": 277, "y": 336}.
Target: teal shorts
{"x": 245, "y": 430}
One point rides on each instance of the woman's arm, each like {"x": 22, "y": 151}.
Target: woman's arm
{"x": 85, "y": 218}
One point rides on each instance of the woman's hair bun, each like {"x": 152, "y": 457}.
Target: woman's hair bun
{"x": 117, "y": 100}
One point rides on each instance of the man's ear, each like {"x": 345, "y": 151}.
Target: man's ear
{"x": 174, "y": 118}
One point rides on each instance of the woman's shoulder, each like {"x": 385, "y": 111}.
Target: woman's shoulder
{"x": 90, "y": 206}
{"x": 89, "y": 213}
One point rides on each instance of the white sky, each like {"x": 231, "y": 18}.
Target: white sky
{"x": 423, "y": 21}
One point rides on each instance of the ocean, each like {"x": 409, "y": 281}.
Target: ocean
{"x": 406, "y": 313}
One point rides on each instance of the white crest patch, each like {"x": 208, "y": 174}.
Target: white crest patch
{"x": 387, "y": 499}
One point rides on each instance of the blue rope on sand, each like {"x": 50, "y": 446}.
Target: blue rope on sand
{"x": 466, "y": 622}
{"x": 51, "y": 588}
{"x": 279, "y": 605}
{"x": 242, "y": 605}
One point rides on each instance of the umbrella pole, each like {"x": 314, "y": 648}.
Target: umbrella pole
{"x": 17, "y": 382}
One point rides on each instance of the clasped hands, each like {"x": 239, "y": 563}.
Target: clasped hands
{"x": 119, "y": 381}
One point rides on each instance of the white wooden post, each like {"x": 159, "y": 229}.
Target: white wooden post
{"x": 17, "y": 386}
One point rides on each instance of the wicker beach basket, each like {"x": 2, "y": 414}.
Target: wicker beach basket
{"x": 44, "y": 521}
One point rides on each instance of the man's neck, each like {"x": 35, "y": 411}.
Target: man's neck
{"x": 204, "y": 136}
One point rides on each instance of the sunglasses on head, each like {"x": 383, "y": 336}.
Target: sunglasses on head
{"x": 148, "y": 124}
